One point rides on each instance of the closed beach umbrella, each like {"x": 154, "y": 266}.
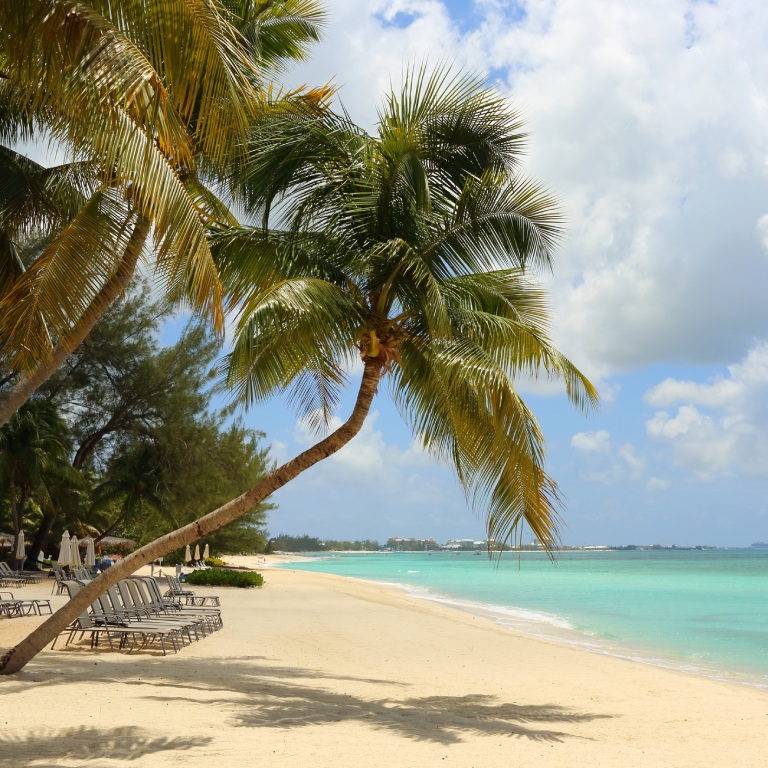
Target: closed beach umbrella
{"x": 197, "y": 552}
{"x": 74, "y": 553}
{"x": 206, "y": 552}
{"x": 90, "y": 554}
{"x": 64, "y": 550}
{"x": 20, "y": 551}
{"x": 187, "y": 554}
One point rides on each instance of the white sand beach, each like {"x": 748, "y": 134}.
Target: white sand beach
{"x": 318, "y": 670}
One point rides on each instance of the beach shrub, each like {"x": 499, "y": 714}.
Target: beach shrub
{"x": 214, "y": 562}
{"x": 220, "y": 577}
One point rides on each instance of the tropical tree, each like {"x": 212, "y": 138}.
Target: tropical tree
{"x": 407, "y": 250}
{"x": 33, "y": 444}
{"x": 148, "y": 97}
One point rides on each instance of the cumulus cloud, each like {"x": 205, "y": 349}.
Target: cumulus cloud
{"x": 368, "y": 459}
{"x": 592, "y": 441}
{"x": 650, "y": 122}
{"x": 657, "y": 484}
{"x": 644, "y": 120}
{"x": 719, "y": 427}
{"x": 600, "y": 462}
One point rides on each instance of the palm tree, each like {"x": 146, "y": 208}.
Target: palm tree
{"x": 408, "y": 249}
{"x": 34, "y": 443}
{"x": 150, "y": 97}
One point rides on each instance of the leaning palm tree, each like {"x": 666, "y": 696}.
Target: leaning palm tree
{"x": 408, "y": 250}
{"x": 150, "y": 97}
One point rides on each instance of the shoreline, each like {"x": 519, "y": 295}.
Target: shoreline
{"x": 552, "y": 627}
{"x": 515, "y": 621}
{"x": 318, "y": 669}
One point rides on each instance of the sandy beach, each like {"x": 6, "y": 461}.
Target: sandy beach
{"x": 318, "y": 670}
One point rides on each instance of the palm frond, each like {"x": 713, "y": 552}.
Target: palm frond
{"x": 464, "y": 410}
{"x": 278, "y": 31}
{"x": 289, "y": 328}
{"x": 36, "y": 199}
{"x": 55, "y": 292}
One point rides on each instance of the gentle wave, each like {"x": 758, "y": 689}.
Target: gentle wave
{"x": 547, "y": 626}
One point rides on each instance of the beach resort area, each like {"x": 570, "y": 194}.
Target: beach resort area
{"x": 324, "y": 670}
{"x": 383, "y": 384}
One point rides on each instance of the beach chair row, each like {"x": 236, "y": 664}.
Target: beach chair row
{"x": 11, "y": 606}
{"x": 133, "y": 614}
{"x": 11, "y": 578}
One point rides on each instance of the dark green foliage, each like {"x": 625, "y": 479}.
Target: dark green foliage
{"x": 220, "y": 577}
{"x": 305, "y": 543}
{"x": 138, "y": 449}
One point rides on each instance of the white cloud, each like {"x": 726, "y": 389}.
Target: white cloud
{"x": 599, "y": 462}
{"x": 762, "y": 228}
{"x": 657, "y": 484}
{"x": 635, "y": 464}
{"x": 649, "y": 121}
{"x": 592, "y": 441}
{"x": 368, "y": 45}
{"x": 720, "y": 427}
{"x": 367, "y": 458}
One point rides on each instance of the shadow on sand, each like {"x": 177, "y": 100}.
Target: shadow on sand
{"x": 252, "y": 693}
{"x": 47, "y": 747}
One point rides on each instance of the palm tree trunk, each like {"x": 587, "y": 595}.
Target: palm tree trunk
{"x": 17, "y": 657}
{"x": 28, "y": 385}
{"x": 38, "y": 543}
{"x": 15, "y": 518}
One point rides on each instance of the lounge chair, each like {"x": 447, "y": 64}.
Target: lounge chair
{"x": 176, "y": 590}
{"x": 138, "y": 600}
{"x": 152, "y": 597}
{"x": 11, "y": 606}
{"x": 27, "y": 578}
{"x": 116, "y": 613}
{"x": 98, "y": 623}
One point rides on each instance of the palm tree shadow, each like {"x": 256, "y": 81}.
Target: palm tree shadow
{"x": 273, "y": 697}
{"x": 442, "y": 720}
{"x": 258, "y": 694}
{"x": 45, "y": 748}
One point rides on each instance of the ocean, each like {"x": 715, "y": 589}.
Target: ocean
{"x": 702, "y": 612}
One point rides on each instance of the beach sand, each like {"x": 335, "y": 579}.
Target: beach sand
{"x": 318, "y": 670}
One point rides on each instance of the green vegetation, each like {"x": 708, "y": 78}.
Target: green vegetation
{"x": 220, "y": 577}
{"x": 146, "y": 99}
{"x": 412, "y": 248}
{"x": 121, "y": 441}
{"x": 214, "y": 562}
{"x": 285, "y": 543}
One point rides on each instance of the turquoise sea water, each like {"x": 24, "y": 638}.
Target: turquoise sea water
{"x": 702, "y": 612}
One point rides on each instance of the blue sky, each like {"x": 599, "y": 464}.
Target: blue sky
{"x": 650, "y": 123}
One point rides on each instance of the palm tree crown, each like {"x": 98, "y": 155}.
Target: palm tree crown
{"x": 151, "y": 96}
{"x": 410, "y": 249}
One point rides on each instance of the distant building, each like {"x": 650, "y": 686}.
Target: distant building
{"x": 400, "y": 544}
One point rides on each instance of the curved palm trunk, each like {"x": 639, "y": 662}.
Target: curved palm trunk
{"x": 18, "y": 657}
{"x": 28, "y": 385}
